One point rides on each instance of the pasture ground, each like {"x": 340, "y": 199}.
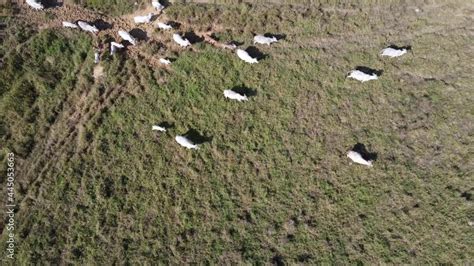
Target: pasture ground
{"x": 272, "y": 183}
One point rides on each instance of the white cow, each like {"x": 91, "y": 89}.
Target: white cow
{"x": 357, "y": 158}
{"x": 35, "y": 4}
{"x": 183, "y": 42}
{"x": 164, "y": 26}
{"x": 158, "y": 128}
{"x": 67, "y": 24}
{"x": 96, "y": 57}
{"x": 126, "y": 36}
{"x": 185, "y": 142}
{"x": 234, "y": 95}
{"x": 114, "y": 46}
{"x": 165, "y": 61}
{"x": 87, "y": 27}
{"x": 242, "y": 54}
{"x": 361, "y": 76}
{"x": 264, "y": 40}
{"x": 393, "y": 52}
{"x": 157, "y": 5}
{"x": 143, "y": 19}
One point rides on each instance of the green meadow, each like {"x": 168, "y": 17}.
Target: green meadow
{"x": 271, "y": 183}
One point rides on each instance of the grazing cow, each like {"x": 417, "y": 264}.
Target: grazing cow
{"x": 158, "y": 128}
{"x": 87, "y": 27}
{"x": 114, "y": 46}
{"x": 183, "y": 42}
{"x": 165, "y": 61}
{"x": 35, "y": 4}
{"x": 234, "y": 95}
{"x": 157, "y": 5}
{"x": 67, "y": 24}
{"x": 260, "y": 39}
{"x": 96, "y": 57}
{"x": 164, "y": 26}
{"x": 143, "y": 19}
{"x": 357, "y": 158}
{"x": 393, "y": 52}
{"x": 185, "y": 142}
{"x": 242, "y": 54}
{"x": 362, "y": 76}
{"x": 126, "y": 36}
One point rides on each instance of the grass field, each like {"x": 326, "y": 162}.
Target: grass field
{"x": 271, "y": 183}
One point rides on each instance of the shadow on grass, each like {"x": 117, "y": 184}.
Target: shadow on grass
{"x": 369, "y": 71}
{"x": 101, "y": 24}
{"x": 51, "y": 3}
{"x": 166, "y": 124}
{"x": 193, "y": 38}
{"x": 245, "y": 91}
{"x": 393, "y": 46}
{"x": 196, "y": 137}
{"x": 139, "y": 34}
{"x": 165, "y": 3}
{"x": 255, "y": 53}
{"x": 362, "y": 150}
{"x": 174, "y": 24}
{"x": 277, "y": 36}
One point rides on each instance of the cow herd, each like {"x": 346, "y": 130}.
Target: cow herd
{"x": 361, "y": 74}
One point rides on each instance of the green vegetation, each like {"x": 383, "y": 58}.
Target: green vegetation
{"x": 113, "y": 7}
{"x": 273, "y": 185}
{"x": 38, "y": 74}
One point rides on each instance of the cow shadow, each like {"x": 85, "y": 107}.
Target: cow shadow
{"x": 196, "y": 137}
{"x": 192, "y": 37}
{"x": 166, "y": 124}
{"x": 277, "y": 36}
{"x": 369, "y": 71}
{"x": 256, "y": 53}
{"x": 174, "y": 24}
{"x": 139, "y": 34}
{"x": 366, "y": 155}
{"x": 165, "y": 3}
{"x": 51, "y": 3}
{"x": 393, "y": 46}
{"x": 101, "y": 24}
{"x": 243, "y": 90}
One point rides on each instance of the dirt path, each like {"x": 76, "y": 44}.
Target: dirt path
{"x": 109, "y": 26}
